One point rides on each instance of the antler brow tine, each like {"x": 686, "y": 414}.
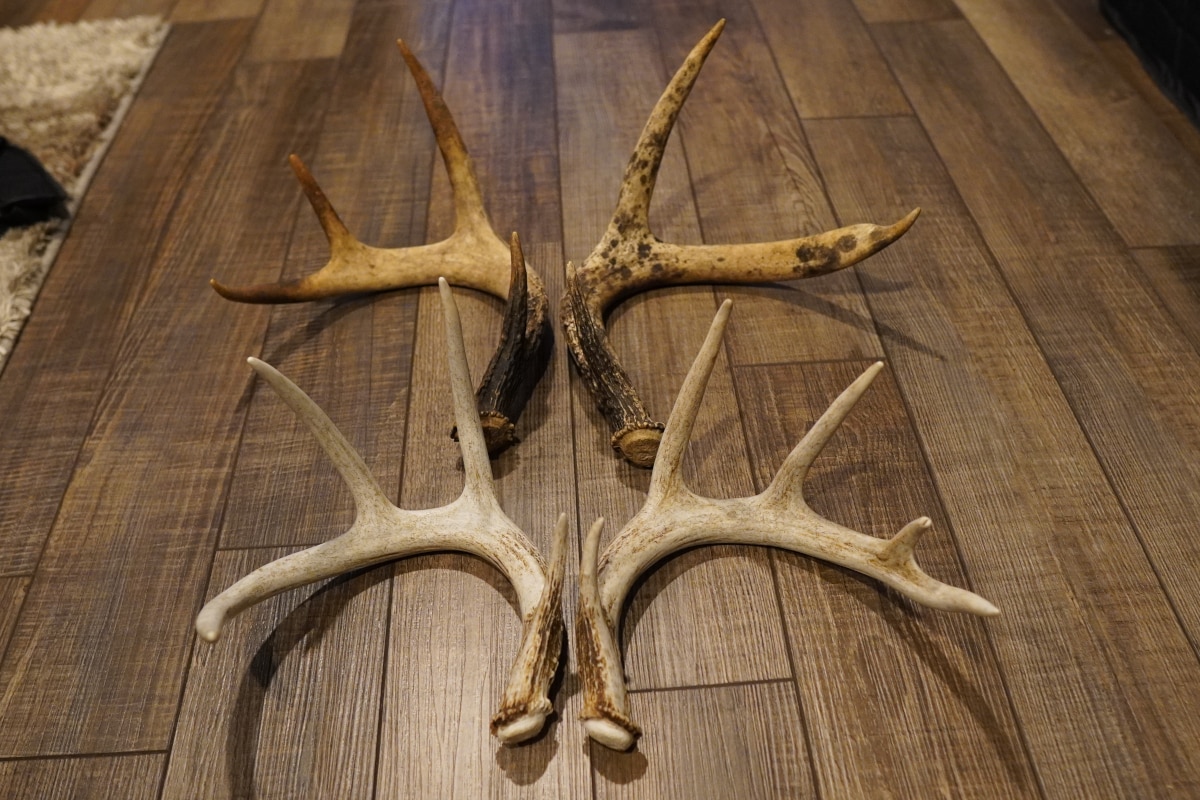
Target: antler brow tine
{"x": 629, "y": 259}
{"x": 674, "y": 518}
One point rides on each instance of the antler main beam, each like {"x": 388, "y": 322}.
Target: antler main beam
{"x": 674, "y": 519}
{"x": 474, "y": 523}
{"x": 629, "y": 259}
{"x": 472, "y": 256}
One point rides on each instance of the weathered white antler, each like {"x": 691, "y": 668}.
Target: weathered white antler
{"x": 474, "y": 523}
{"x": 472, "y": 256}
{"x": 629, "y": 259}
{"x": 673, "y": 519}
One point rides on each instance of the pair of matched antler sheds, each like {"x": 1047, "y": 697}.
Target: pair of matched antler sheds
{"x": 629, "y": 259}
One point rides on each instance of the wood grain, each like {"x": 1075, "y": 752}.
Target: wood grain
{"x": 353, "y": 355}
{"x": 1174, "y": 273}
{"x": 1102, "y": 680}
{"x": 286, "y": 704}
{"x": 139, "y": 519}
{"x": 671, "y": 635}
{"x": 134, "y": 777}
{"x": 105, "y": 9}
{"x": 290, "y": 30}
{"x": 209, "y": 10}
{"x": 716, "y": 742}
{"x": 905, "y": 10}
{"x": 1087, "y": 17}
{"x": 899, "y": 700}
{"x": 741, "y": 107}
{"x": 1098, "y": 121}
{"x": 67, "y": 349}
{"x": 12, "y": 596}
{"x": 1130, "y": 375}
{"x": 828, "y": 61}
{"x": 1130, "y": 68}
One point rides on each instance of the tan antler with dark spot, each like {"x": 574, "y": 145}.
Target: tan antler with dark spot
{"x": 674, "y": 519}
{"x": 472, "y": 256}
{"x": 629, "y": 259}
{"x": 474, "y": 523}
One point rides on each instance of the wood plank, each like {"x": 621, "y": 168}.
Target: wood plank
{"x": 831, "y": 66}
{"x": 898, "y": 700}
{"x": 133, "y": 777}
{"x": 1125, "y": 367}
{"x": 1099, "y": 122}
{"x": 671, "y": 636}
{"x": 67, "y": 348}
{"x": 209, "y": 10}
{"x": 454, "y": 629}
{"x": 754, "y": 180}
{"x": 105, "y": 9}
{"x": 138, "y": 522}
{"x": 290, "y": 30}
{"x": 906, "y": 10}
{"x": 12, "y": 596}
{"x": 714, "y": 742}
{"x": 18, "y": 13}
{"x": 374, "y": 160}
{"x": 1126, "y": 63}
{"x": 1102, "y": 680}
{"x": 286, "y": 704}
{"x": 1174, "y": 272}
{"x": 1087, "y": 17}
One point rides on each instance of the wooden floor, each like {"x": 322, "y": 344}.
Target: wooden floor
{"x": 1040, "y": 324}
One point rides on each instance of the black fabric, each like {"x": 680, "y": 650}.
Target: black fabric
{"x": 1165, "y": 34}
{"x": 28, "y": 194}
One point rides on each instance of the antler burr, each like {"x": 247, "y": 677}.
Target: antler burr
{"x": 474, "y": 523}
{"x": 472, "y": 256}
{"x": 629, "y": 259}
{"x": 674, "y": 518}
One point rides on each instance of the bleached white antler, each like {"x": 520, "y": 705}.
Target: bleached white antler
{"x": 674, "y": 519}
{"x": 474, "y": 523}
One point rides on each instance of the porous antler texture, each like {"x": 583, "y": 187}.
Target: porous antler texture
{"x": 472, "y": 256}
{"x": 674, "y": 519}
{"x": 629, "y": 259}
{"x": 474, "y": 523}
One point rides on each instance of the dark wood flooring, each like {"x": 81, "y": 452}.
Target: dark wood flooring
{"x": 1039, "y": 325}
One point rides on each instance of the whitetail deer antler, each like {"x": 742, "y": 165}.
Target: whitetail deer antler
{"x": 629, "y": 259}
{"x": 472, "y": 256}
{"x": 474, "y": 523}
{"x": 674, "y": 519}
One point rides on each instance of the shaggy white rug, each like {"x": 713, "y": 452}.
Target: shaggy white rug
{"x": 64, "y": 90}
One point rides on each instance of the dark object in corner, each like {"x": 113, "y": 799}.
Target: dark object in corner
{"x": 28, "y": 194}
{"x": 1165, "y": 34}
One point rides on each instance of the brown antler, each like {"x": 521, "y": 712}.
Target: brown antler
{"x": 472, "y": 256}
{"x": 629, "y": 259}
{"x": 474, "y": 523}
{"x": 674, "y": 519}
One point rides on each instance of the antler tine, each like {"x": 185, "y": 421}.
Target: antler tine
{"x": 667, "y": 477}
{"x": 789, "y": 481}
{"x": 629, "y": 259}
{"x": 474, "y": 523}
{"x": 469, "y": 211}
{"x": 476, "y": 467}
{"x": 368, "y": 495}
{"x": 674, "y": 519}
{"x": 632, "y": 215}
{"x": 472, "y": 256}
